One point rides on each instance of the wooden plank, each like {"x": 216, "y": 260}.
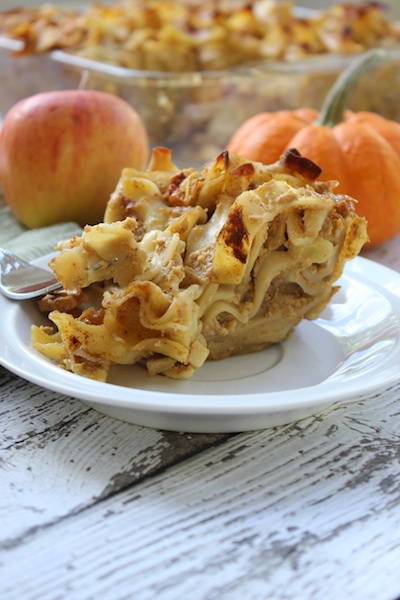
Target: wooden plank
{"x": 58, "y": 456}
{"x": 308, "y": 510}
{"x": 27, "y": 410}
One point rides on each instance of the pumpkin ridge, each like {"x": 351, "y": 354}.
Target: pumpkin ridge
{"x": 372, "y": 166}
{"x": 389, "y": 130}
{"x": 266, "y": 136}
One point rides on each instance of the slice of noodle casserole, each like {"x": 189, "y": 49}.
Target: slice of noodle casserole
{"x": 192, "y": 265}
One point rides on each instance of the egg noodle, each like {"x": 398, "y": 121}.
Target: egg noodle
{"x": 190, "y": 265}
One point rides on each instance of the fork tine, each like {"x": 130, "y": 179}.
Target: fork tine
{"x": 8, "y": 260}
{"x": 21, "y": 280}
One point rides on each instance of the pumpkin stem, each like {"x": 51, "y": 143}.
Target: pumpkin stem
{"x": 336, "y": 101}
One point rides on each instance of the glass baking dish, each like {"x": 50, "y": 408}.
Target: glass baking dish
{"x": 196, "y": 113}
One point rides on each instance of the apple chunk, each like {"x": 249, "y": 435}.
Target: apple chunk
{"x": 62, "y": 153}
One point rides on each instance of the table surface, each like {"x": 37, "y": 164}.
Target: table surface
{"x": 92, "y": 507}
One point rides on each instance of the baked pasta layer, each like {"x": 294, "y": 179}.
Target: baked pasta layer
{"x": 190, "y": 265}
{"x": 160, "y": 35}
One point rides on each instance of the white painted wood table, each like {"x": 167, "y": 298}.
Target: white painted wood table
{"x": 94, "y": 508}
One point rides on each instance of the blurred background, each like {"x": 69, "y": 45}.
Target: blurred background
{"x": 392, "y": 5}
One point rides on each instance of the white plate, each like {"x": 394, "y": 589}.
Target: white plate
{"x": 353, "y": 349}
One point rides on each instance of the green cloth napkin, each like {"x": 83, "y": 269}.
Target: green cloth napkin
{"x": 31, "y": 243}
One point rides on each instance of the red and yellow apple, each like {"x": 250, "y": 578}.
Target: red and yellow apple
{"x": 62, "y": 153}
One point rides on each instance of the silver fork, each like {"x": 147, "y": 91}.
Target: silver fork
{"x": 20, "y": 280}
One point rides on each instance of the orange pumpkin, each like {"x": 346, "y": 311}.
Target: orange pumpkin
{"x": 359, "y": 150}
